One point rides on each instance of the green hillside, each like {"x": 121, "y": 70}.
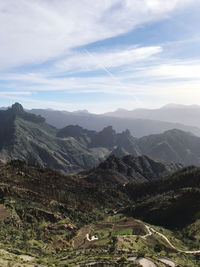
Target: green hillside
{"x": 47, "y": 216}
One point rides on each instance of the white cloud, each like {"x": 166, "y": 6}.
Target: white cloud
{"x": 171, "y": 70}
{"x": 151, "y": 91}
{"x": 34, "y": 31}
{"x": 38, "y": 30}
{"x": 161, "y": 80}
{"x": 177, "y": 71}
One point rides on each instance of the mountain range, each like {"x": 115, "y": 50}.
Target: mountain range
{"x": 138, "y": 126}
{"x": 28, "y": 137}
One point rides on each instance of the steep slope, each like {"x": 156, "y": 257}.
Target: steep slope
{"x": 27, "y": 137}
{"x": 7, "y": 121}
{"x": 138, "y": 127}
{"x": 130, "y": 169}
{"x": 174, "y": 145}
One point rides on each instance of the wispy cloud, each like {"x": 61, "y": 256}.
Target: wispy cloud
{"x": 57, "y": 33}
{"x": 108, "y": 82}
{"x": 35, "y": 31}
{"x": 88, "y": 61}
{"x": 166, "y": 70}
{"x": 174, "y": 70}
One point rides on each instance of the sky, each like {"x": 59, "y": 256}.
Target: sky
{"x": 99, "y": 55}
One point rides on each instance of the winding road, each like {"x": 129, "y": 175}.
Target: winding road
{"x": 146, "y": 262}
{"x": 152, "y": 231}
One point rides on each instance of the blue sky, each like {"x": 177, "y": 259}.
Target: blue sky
{"x": 99, "y": 55}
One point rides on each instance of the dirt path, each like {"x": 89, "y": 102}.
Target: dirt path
{"x": 149, "y": 232}
{"x": 169, "y": 243}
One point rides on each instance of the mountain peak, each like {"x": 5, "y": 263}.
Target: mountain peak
{"x": 18, "y": 111}
{"x": 17, "y": 108}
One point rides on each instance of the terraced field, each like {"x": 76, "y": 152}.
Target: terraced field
{"x": 106, "y": 230}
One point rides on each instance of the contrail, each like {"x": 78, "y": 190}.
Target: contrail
{"x": 101, "y": 66}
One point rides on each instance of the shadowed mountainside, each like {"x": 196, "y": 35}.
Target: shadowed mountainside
{"x": 173, "y": 202}
{"x": 27, "y": 137}
{"x": 130, "y": 169}
{"x": 174, "y": 145}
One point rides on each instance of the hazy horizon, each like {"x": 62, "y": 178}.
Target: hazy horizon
{"x": 169, "y": 105}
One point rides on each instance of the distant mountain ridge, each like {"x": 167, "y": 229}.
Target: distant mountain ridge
{"x": 140, "y": 122}
{"x": 174, "y": 113}
{"x": 138, "y": 126}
